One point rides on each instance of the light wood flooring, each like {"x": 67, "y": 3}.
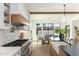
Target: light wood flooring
{"x": 39, "y": 49}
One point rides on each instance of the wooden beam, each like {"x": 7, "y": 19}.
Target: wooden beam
{"x": 54, "y": 12}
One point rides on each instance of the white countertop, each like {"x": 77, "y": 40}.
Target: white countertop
{"x": 8, "y": 51}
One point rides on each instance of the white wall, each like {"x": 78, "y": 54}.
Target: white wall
{"x": 76, "y": 23}
{"x": 72, "y": 19}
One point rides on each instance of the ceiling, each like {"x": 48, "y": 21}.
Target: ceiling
{"x": 52, "y": 7}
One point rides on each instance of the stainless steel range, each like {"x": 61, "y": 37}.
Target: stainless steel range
{"x": 25, "y": 44}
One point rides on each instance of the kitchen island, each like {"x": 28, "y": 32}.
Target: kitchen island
{"x": 55, "y": 49}
{"x": 73, "y": 50}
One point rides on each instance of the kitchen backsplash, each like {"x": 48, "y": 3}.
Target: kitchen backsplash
{"x": 25, "y": 33}
{"x": 6, "y": 36}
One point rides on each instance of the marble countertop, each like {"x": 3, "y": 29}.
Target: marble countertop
{"x": 8, "y": 51}
{"x": 57, "y": 44}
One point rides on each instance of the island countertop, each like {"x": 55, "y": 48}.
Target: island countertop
{"x": 71, "y": 51}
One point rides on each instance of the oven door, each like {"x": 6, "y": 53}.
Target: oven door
{"x": 25, "y": 49}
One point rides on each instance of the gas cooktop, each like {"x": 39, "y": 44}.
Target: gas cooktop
{"x": 15, "y": 43}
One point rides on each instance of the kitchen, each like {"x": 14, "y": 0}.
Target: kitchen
{"x": 32, "y": 29}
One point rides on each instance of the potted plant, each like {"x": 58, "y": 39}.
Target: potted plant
{"x": 63, "y": 31}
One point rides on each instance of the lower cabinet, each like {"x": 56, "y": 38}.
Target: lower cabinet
{"x": 54, "y": 53}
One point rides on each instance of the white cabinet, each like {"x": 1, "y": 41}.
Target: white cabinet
{"x": 4, "y": 15}
{"x": 14, "y": 8}
{"x": 1, "y": 15}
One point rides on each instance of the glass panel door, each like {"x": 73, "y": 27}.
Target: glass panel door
{"x": 56, "y": 32}
{"x": 38, "y": 30}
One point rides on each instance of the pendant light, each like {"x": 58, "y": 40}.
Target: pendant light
{"x": 65, "y": 13}
{"x": 64, "y": 8}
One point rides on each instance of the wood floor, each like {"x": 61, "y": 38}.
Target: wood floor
{"x": 39, "y": 49}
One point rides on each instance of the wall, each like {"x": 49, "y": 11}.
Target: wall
{"x": 76, "y": 23}
{"x": 72, "y": 19}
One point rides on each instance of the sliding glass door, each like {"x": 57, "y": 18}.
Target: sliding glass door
{"x": 56, "y": 32}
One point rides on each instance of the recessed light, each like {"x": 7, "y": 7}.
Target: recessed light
{"x": 42, "y": 8}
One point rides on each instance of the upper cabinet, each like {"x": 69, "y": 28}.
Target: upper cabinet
{"x": 4, "y": 15}
{"x": 7, "y": 14}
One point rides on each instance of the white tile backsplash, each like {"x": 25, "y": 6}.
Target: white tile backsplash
{"x": 6, "y": 36}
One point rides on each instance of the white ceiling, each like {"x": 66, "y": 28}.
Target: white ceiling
{"x": 52, "y": 7}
